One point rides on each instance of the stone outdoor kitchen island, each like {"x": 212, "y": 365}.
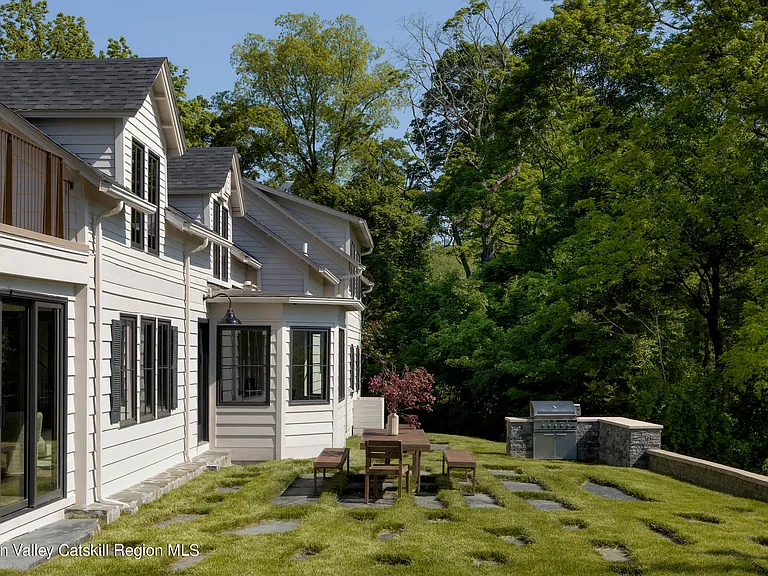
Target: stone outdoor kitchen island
{"x": 611, "y": 440}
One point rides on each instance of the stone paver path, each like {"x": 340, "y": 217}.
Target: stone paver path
{"x": 268, "y": 527}
{"x": 177, "y": 519}
{"x": 480, "y": 501}
{"x": 387, "y": 535}
{"x": 523, "y": 487}
{"x": 547, "y": 505}
{"x": 613, "y": 554}
{"x": 609, "y": 492}
{"x": 186, "y": 562}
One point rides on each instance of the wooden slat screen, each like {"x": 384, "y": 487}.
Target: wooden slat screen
{"x": 33, "y": 194}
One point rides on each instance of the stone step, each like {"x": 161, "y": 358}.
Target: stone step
{"x": 45, "y": 543}
{"x": 151, "y": 489}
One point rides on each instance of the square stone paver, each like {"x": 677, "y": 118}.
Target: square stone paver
{"x": 429, "y": 501}
{"x": 613, "y": 554}
{"x": 523, "y": 487}
{"x": 268, "y": 527}
{"x": 387, "y": 535}
{"x": 304, "y": 555}
{"x": 301, "y": 491}
{"x": 481, "y": 501}
{"x": 515, "y": 541}
{"x": 186, "y": 562}
{"x": 228, "y": 489}
{"x": 547, "y": 505}
{"x": 177, "y": 519}
{"x": 505, "y": 472}
{"x": 609, "y": 492}
{"x": 358, "y": 501}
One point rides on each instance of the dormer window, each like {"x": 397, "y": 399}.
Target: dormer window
{"x": 217, "y": 230}
{"x": 153, "y": 196}
{"x": 137, "y": 187}
{"x": 224, "y": 249}
{"x": 221, "y": 253}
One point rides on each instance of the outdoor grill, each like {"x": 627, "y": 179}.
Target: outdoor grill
{"x": 554, "y": 430}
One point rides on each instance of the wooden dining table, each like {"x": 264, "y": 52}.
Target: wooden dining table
{"x": 414, "y": 440}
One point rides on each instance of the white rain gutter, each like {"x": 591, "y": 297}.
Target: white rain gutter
{"x": 187, "y": 340}
{"x": 119, "y": 207}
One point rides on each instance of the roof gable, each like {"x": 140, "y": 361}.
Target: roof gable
{"x": 93, "y": 85}
{"x": 359, "y": 226}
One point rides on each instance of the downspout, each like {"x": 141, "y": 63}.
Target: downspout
{"x": 97, "y": 338}
{"x": 187, "y": 346}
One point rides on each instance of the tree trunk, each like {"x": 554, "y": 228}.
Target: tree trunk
{"x": 713, "y": 314}
{"x": 462, "y": 257}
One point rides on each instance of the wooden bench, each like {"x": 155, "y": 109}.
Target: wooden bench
{"x": 332, "y": 458}
{"x": 462, "y": 460}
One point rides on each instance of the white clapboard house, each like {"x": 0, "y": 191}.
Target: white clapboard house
{"x": 154, "y": 303}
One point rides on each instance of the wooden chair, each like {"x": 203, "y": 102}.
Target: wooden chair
{"x": 388, "y": 451}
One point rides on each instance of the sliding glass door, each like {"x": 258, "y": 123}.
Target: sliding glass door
{"x": 31, "y": 402}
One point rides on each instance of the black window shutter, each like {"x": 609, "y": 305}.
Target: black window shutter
{"x": 174, "y": 368}
{"x": 116, "y": 364}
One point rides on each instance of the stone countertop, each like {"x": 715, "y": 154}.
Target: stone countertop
{"x": 616, "y": 420}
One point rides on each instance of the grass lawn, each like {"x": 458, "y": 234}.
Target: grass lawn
{"x": 457, "y": 540}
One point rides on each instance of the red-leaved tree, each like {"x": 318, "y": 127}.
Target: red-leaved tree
{"x": 411, "y": 390}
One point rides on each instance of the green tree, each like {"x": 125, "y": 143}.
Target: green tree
{"x": 26, "y": 32}
{"x": 319, "y": 94}
{"x": 456, "y": 71}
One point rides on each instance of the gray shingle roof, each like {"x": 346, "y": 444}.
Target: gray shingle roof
{"x": 200, "y": 168}
{"x": 98, "y": 84}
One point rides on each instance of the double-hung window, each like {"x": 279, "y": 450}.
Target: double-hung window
{"x": 123, "y": 409}
{"x": 341, "y": 381}
{"x": 215, "y": 248}
{"x": 148, "y": 373}
{"x": 137, "y": 187}
{"x": 153, "y": 196}
{"x": 167, "y": 344}
{"x": 309, "y": 365}
{"x": 243, "y": 365}
{"x": 358, "y": 363}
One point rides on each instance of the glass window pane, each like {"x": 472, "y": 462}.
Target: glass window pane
{"x": 14, "y": 401}
{"x": 243, "y": 365}
{"x": 48, "y": 371}
{"x": 309, "y": 364}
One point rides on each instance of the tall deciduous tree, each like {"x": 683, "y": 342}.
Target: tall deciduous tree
{"x": 319, "y": 94}
{"x": 456, "y": 71}
{"x": 26, "y": 32}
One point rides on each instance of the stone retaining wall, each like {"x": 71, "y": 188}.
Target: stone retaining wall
{"x": 709, "y": 474}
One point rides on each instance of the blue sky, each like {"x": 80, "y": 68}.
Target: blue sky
{"x": 199, "y": 35}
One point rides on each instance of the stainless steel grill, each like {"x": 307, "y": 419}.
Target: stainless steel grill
{"x": 554, "y": 430}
